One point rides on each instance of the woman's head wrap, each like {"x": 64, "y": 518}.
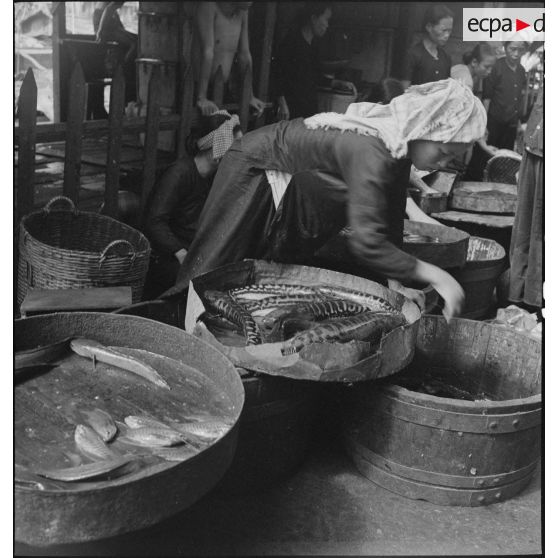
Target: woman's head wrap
{"x": 221, "y": 138}
{"x": 444, "y": 111}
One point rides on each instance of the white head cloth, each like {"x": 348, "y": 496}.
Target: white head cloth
{"x": 444, "y": 111}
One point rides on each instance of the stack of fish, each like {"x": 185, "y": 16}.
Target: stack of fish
{"x": 299, "y": 315}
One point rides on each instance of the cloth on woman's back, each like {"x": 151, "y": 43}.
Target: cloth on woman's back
{"x": 421, "y": 67}
{"x": 526, "y": 253}
{"x": 504, "y": 87}
{"x": 444, "y": 111}
{"x": 462, "y": 74}
{"x": 174, "y": 207}
{"x": 376, "y": 186}
{"x": 296, "y": 69}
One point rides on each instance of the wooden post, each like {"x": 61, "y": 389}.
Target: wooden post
{"x": 116, "y": 115}
{"x": 218, "y": 87}
{"x": 263, "y": 85}
{"x": 76, "y": 111}
{"x": 27, "y": 109}
{"x": 246, "y": 94}
{"x": 151, "y": 136}
{"x": 186, "y": 112}
{"x": 58, "y": 33}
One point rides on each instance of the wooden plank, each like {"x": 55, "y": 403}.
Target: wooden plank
{"x": 218, "y": 87}
{"x": 58, "y": 33}
{"x": 151, "y": 135}
{"x": 186, "y": 112}
{"x": 246, "y": 95}
{"x": 263, "y": 85}
{"x": 76, "y": 111}
{"x": 116, "y": 115}
{"x": 27, "y": 119}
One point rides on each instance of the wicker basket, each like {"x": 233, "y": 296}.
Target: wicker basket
{"x": 69, "y": 249}
{"x": 503, "y": 167}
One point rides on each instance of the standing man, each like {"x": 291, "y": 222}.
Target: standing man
{"x": 221, "y": 33}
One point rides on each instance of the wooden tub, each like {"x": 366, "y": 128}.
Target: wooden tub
{"x": 447, "y": 450}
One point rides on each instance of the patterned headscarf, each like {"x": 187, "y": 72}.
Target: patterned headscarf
{"x": 221, "y": 138}
{"x": 444, "y": 111}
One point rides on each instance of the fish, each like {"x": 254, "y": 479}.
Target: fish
{"x": 282, "y": 300}
{"x": 373, "y": 302}
{"x": 43, "y": 354}
{"x": 84, "y": 472}
{"x": 136, "y": 421}
{"x": 98, "y": 352}
{"x": 316, "y": 311}
{"x": 180, "y": 453}
{"x": 225, "y": 305}
{"x": 269, "y": 289}
{"x": 150, "y": 437}
{"x": 368, "y": 326}
{"x": 206, "y": 429}
{"x": 101, "y": 422}
{"x": 91, "y": 444}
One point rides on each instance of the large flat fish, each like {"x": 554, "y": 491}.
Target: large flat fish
{"x": 97, "y": 351}
{"x": 101, "y": 422}
{"x": 224, "y": 304}
{"x": 269, "y": 289}
{"x": 91, "y": 444}
{"x": 372, "y": 302}
{"x": 368, "y": 326}
{"x": 85, "y": 472}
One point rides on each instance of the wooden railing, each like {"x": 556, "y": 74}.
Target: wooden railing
{"x": 29, "y": 132}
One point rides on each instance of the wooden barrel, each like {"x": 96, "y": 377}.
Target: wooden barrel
{"x": 275, "y": 421}
{"x": 474, "y": 450}
{"x": 478, "y": 277}
{"x": 484, "y": 197}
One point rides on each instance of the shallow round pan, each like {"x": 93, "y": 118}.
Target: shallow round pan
{"x": 148, "y": 493}
{"x": 484, "y": 197}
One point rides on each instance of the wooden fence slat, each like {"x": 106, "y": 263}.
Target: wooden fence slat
{"x": 246, "y": 95}
{"x": 270, "y": 17}
{"x": 218, "y": 87}
{"x": 116, "y": 115}
{"x": 27, "y": 109}
{"x": 186, "y": 112}
{"x": 76, "y": 112}
{"x": 151, "y": 135}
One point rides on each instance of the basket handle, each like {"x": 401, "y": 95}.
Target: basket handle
{"x": 105, "y": 252}
{"x": 48, "y": 207}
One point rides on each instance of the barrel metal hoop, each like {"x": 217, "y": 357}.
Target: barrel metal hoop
{"x": 441, "y": 495}
{"x": 438, "y": 479}
{"x": 458, "y": 422}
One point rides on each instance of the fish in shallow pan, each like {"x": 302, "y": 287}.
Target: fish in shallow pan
{"x": 372, "y": 302}
{"x": 368, "y": 326}
{"x": 269, "y": 289}
{"x": 282, "y": 300}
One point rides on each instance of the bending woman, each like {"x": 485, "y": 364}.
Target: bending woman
{"x": 370, "y": 149}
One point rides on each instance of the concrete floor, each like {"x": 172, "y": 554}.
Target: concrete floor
{"x": 328, "y": 508}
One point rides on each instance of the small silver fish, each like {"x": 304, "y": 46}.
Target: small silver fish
{"x": 137, "y": 421}
{"x": 83, "y": 472}
{"x": 206, "y": 429}
{"x": 180, "y": 453}
{"x": 151, "y": 437}
{"x": 97, "y": 351}
{"x": 91, "y": 444}
{"x": 101, "y": 422}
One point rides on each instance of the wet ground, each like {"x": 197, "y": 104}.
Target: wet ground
{"x": 327, "y": 507}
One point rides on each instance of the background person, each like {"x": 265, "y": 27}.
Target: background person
{"x": 427, "y": 61}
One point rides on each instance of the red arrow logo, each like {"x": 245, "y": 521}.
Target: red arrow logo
{"x": 519, "y": 25}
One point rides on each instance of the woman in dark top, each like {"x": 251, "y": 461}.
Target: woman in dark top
{"x": 427, "y": 61}
{"x": 178, "y": 197}
{"x": 526, "y": 253}
{"x": 296, "y": 64}
{"x": 502, "y": 94}
{"x": 368, "y": 150}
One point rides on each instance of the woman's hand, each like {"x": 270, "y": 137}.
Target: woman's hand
{"x": 206, "y": 106}
{"x": 257, "y": 105}
{"x": 282, "y": 109}
{"x": 418, "y": 297}
{"x": 446, "y": 286}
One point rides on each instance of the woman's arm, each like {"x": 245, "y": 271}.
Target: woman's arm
{"x": 415, "y": 213}
{"x": 205, "y": 18}
{"x": 245, "y": 60}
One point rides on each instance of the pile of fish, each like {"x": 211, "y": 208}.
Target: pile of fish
{"x": 297, "y": 315}
{"x": 115, "y": 448}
